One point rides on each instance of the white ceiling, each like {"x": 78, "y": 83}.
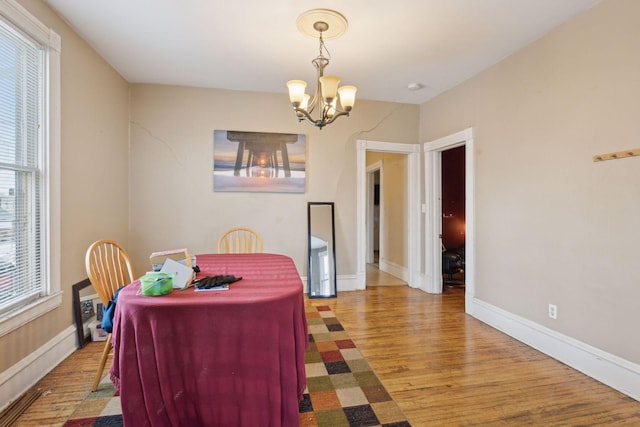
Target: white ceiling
{"x": 255, "y": 45}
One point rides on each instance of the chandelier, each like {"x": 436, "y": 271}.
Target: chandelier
{"x": 329, "y": 101}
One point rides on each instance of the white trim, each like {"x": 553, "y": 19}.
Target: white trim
{"x": 19, "y": 378}
{"x": 350, "y": 282}
{"x": 373, "y": 167}
{"x": 414, "y": 234}
{"x": 450, "y": 141}
{"x": 433, "y": 211}
{"x": 52, "y": 235}
{"x": 389, "y": 147}
{"x": 433, "y": 224}
{"x": 413, "y": 241}
{"x": 607, "y": 368}
{"x": 50, "y": 217}
{"x": 394, "y": 269}
{"x": 12, "y": 320}
{"x": 21, "y": 18}
{"x": 344, "y": 283}
{"x": 361, "y": 203}
{"x": 470, "y": 219}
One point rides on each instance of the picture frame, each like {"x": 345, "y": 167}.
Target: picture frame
{"x": 81, "y": 312}
{"x": 259, "y": 161}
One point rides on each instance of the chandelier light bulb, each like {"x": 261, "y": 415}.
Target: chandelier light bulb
{"x": 331, "y": 108}
{"x": 305, "y": 102}
{"x": 296, "y": 91}
{"x": 347, "y": 97}
{"x": 329, "y": 86}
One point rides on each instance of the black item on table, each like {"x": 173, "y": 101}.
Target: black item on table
{"x": 215, "y": 281}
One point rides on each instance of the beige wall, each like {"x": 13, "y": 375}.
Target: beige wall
{"x": 172, "y": 201}
{"x": 393, "y": 207}
{"x": 553, "y": 226}
{"x": 94, "y": 173}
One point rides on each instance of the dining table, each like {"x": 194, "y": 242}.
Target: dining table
{"x": 231, "y": 357}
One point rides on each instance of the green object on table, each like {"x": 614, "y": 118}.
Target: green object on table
{"x": 155, "y": 284}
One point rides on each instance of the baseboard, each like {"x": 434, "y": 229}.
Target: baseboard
{"x": 19, "y": 378}
{"x": 607, "y": 368}
{"x": 419, "y": 281}
{"x": 345, "y": 283}
{"x": 394, "y": 269}
{"x": 351, "y": 282}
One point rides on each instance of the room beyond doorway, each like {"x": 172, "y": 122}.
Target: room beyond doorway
{"x": 453, "y": 216}
{"x": 411, "y": 271}
{"x": 453, "y": 200}
{"x": 387, "y": 208}
{"x": 375, "y": 277}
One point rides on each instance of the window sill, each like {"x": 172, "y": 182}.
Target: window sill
{"x": 21, "y": 316}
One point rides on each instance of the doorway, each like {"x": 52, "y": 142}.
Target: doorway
{"x": 374, "y": 171}
{"x": 387, "y": 219}
{"x": 408, "y": 273}
{"x": 434, "y": 210}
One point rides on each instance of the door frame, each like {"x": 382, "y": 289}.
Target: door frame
{"x": 433, "y": 210}
{"x": 413, "y": 202}
{"x": 371, "y": 171}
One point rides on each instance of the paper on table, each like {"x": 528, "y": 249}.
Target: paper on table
{"x": 183, "y": 274}
{"x": 215, "y": 288}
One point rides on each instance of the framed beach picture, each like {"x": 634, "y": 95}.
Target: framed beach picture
{"x": 259, "y": 161}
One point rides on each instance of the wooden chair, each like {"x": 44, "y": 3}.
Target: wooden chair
{"x": 109, "y": 268}
{"x": 240, "y": 240}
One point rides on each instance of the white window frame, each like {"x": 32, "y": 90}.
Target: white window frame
{"x": 14, "y": 13}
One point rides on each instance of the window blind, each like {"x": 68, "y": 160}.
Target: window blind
{"x": 21, "y": 106}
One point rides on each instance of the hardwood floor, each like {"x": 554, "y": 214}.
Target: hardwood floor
{"x": 444, "y": 368}
{"x": 376, "y": 277}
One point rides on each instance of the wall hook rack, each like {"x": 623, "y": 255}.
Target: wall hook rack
{"x": 616, "y": 155}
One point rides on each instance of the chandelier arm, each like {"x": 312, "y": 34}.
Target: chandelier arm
{"x": 314, "y": 102}
{"x": 303, "y": 114}
{"x": 335, "y": 116}
{"x": 323, "y": 121}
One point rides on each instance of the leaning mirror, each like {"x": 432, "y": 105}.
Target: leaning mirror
{"x": 322, "y": 250}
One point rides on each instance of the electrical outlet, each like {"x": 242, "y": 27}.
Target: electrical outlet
{"x": 553, "y": 311}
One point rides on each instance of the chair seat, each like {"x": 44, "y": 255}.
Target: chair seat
{"x": 452, "y": 263}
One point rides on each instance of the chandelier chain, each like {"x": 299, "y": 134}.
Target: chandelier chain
{"x": 323, "y": 48}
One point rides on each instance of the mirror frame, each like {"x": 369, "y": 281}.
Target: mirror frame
{"x": 77, "y": 312}
{"x": 333, "y": 275}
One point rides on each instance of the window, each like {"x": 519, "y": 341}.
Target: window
{"x": 29, "y": 128}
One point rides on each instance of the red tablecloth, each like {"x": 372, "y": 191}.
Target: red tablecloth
{"x": 217, "y": 358}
